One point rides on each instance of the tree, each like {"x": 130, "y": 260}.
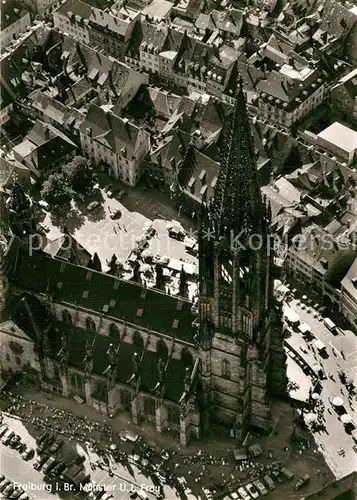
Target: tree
{"x": 56, "y": 191}
{"x": 19, "y": 203}
{"x": 80, "y": 175}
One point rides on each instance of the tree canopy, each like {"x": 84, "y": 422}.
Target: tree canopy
{"x": 56, "y": 191}
{"x": 19, "y": 203}
{"x": 80, "y": 175}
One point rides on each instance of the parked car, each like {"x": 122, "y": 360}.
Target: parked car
{"x": 42, "y": 437}
{"x": 287, "y": 473}
{"x": 243, "y": 493}
{"x": 302, "y": 482}
{"x": 276, "y": 475}
{"x": 119, "y": 195}
{"x": 269, "y": 482}
{"x": 9, "y": 434}
{"x": 55, "y": 446}
{"x": 39, "y": 463}
{"x": 4, "y": 484}
{"x": 8, "y": 490}
{"x": 24, "y": 496}
{"x": 176, "y": 233}
{"x": 16, "y": 493}
{"x": 92, "y": 205}
{"x": 45, "y": 444}
{"x": 260, "y": 487}
{"x": 254, "y": 493}
{"x": 51, "y": 462}
{"x": 3, "y": 429}
{"x": 14, "y": 441}
{"x": 58, "y": 469}
{"x": 21, "y": 447}
{"x": 28, "y": 453}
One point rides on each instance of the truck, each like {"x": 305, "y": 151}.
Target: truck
{"x": 331, "y": 326}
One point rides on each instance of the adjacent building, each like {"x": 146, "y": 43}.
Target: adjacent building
{"x": 348, "y": 301}
{"x": 114, "y": 143}
{"x": 15, "y": 19}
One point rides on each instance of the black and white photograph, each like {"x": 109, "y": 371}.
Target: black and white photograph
{"x": 178, "y": 249}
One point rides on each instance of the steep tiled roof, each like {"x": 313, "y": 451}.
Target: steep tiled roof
{"x": 148, "y": 33}
{"x": 10, "y": 13}
{"x": 111, "y": 130}
{"x": 51, "y": 108}
{"x": 164, "y": 102}
{"x": 170, "y": 148}
{"x": 336, "y": 19}
{"x": 11, "y": 170}
{"x": 67, "y": 282}
{"x": 198, "y": 175}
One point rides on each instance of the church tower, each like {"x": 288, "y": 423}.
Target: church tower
{"x": 236, "y": 289}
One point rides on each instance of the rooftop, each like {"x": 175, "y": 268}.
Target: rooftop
{"x": 158, "y": 9}
{"x": 341, "y": 136}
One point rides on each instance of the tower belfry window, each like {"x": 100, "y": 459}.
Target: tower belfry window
{"x": 226, "y": 275}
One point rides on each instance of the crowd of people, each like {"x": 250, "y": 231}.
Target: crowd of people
{"x": 199, "y": 468}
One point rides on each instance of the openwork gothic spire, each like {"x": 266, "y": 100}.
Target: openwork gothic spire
{"x": 237, "y": 202}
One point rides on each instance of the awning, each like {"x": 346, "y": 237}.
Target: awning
{"x": 304, "y": 328}
{"x": 310, "y": 418}
{"x": 346, "y": 418}
{"x": 291, "y": 315}
{"x": 319, "y": 345}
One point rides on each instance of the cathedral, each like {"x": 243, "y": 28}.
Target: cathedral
{"x": 122, "y": 347}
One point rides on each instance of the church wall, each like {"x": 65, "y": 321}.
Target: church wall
{"x": 217, "y": 360}
{"x": 224, "y": 415}
{"x": 225, "y": 400}
{"x": 225, "y": 386}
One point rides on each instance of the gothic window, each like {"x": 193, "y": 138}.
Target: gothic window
{"x": 226, "y": 275}
{"x": 226, "y": 369}
{"x": 162, "y": 350}
{"x": 114, "y": 331}
{"x": 90, "y": 325}
{"x": 246, "y": 323}
{"x": 66, "y": 317}
{"x": 101, "y": 391}
{"x": 186, "y": 357}
{"x": 76, "y": 381}
{"x": 138, "y": 341}
{"x": 173, "y": 415}
{"x": 149, "y": 406}
{"x": 125, "y": 399}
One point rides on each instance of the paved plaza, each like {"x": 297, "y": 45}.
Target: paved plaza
{"x": 97, "y": 232}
